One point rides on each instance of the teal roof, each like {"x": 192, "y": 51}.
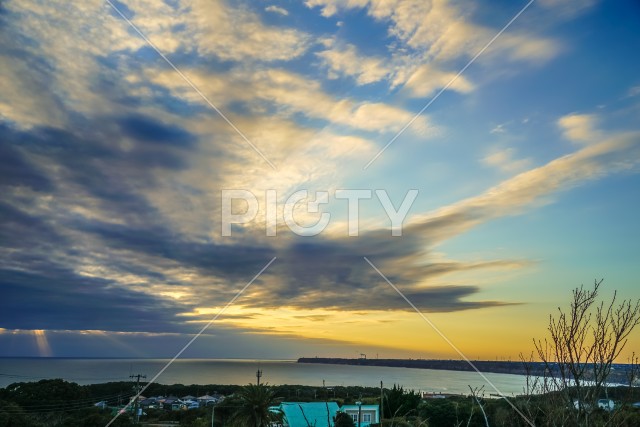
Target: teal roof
{"x": 309, "y": 414}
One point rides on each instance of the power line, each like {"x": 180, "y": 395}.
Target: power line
{"x": 62, "y": 407}
{"x": 76, "y": 402}
{"x": 137, "y": 389}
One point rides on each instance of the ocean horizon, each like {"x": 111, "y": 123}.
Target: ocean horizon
{"x": 242, "y": 371}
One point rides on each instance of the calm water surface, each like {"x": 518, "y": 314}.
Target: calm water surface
{"x": 207, "y": 371}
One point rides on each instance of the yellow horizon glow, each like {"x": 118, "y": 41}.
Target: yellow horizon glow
{"x": 477, "y": 334}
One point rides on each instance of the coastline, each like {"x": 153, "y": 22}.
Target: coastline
{"x": 618, "y": 373}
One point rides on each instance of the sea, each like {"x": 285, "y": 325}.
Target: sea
{"x": 243, "y": 371}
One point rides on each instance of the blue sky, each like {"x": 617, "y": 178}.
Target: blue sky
{"x": 112, "y": 166}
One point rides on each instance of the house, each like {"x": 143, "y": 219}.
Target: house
{"x": 307, "y": 414}
{"x": 151, "y": 403}
{"x": 606, "y": 404}
{"x": 209, "y": 400}
{"x": 432, "y": 395}
{"x": 369, "y": 414}
{"x": 172, "y": 403}
{"x": 191, "y": 404}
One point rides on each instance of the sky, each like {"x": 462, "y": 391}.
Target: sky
{"x": 123, "y": 125}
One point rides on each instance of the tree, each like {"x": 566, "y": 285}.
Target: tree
{"x": 398, "y": 403}
{"x": 445, "y": 412}
{"x": 342, "y": 419}
{"x": 254, "y": 406}
{"x": 583, "y": 344}
{"x": 475, "y": 392}
{"x": 255, "y": 401}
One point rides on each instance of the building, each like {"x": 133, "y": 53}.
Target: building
{"x": 173, "y": 403}
{"x": 207, "y": 400}
{"x": 369, "y": 414}
{"x": 307, "y": 414}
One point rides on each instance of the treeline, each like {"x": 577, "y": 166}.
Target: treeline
{"x": 60, "y": 403}
{"x": 477, "y": 411}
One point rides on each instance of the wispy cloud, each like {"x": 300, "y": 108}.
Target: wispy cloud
{"x": 506, "y": 161}
{"x": 346, "y": 61}
{"x": 277, "y": 9}
{"x": 238, "y": 34}
{"x": 614, "y": 153}
{"x": 580, "y": 128}
{"x": 426, "y": 80}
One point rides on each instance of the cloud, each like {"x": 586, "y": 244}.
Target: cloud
{"x": 23, "y": 97}
{"x": 221, "y": 341}
{"x": 294, "y": 92}
{"x": 580, "y": 128}
{"x": 86, "y": 229}
{"x": 17, "y": 171}
{"x": 568, "y": 8}
{"x": 498, "y": 128}
{"x": 56, "y": 298}
{"x": 505, "y": 161}
{"x": 111, "y": 166}
{"x": 332, "y": 274}
{"x": 440, "y": 30}
{"x": 287, "y": 93}
{"x": 426, "y": 80}
{"x": 92, "y": 241}
{"x": 614, "y": 153}
{"x": 277, "y": 9}
{"x": 56, "y": 46}
{"x": 58, "y": 62}
{"x": 634, "y": 91}
{"x": 346, "y": 61}
{"x": 236, "y": 34}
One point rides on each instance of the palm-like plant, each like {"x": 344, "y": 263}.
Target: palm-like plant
{"x": 254, "y": 406}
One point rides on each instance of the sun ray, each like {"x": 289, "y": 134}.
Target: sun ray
{"x": 42, "y": 342}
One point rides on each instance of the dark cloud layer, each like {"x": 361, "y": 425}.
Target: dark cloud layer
{"x": 45, "y": 172}
{"x": 44, "y": 241}
{"x": 57, "y": 298}
{"x": 15, "y": 170}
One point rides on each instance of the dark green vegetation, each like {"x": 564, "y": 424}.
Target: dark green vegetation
{"x": 252, "y": 409}
{"x": 59, "y": 403}
{"x": 343, "y": 420}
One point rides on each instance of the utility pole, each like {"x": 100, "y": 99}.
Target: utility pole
{"x": 381, "y": 400}
{"x": 137, "y": 391}
{"x": 258, "y": 375}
